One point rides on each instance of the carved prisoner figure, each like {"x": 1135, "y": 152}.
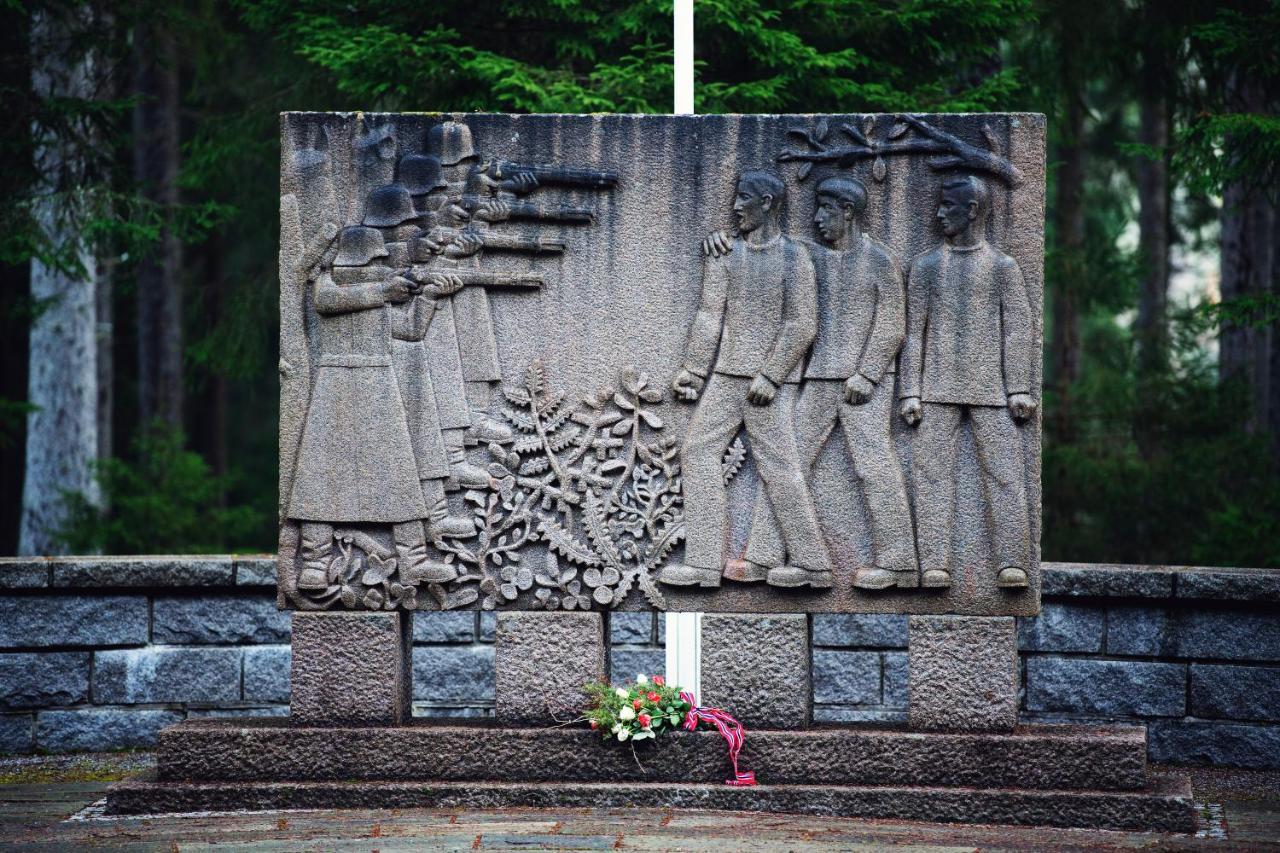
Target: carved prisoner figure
{"x": 849, "y": 381}
{"x": 759, "y": 309}
{"x": 968, "y": 357}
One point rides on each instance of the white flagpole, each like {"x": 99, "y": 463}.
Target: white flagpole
{"x": 684, "y": 630}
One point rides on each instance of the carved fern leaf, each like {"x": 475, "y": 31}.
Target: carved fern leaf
{"x": 519, "y": 419}
{"x": 734, "y": 456}
{"x": 557, "y": 420}
{"x": 651, "y": 592}
{"x": 564, "y": 543}
{"x": 536, "y": 465}
{"x": 562, "y": 439}
{"x": 527, "y": 443}
{"x": 535, "y": 378}
{"x": 516, "y": 396}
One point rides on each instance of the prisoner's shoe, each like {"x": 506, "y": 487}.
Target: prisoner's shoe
{"x": 936, "y": 579}
{"x": 464, "y": 475}
{"x": 485, "y": 430}
{"x": 878, "y": 578}
{"x": 679, "y": 574}
{"x": 745, "y": 571}
{"x": 792, "y": 576}
{"x": 452, "y": 527}
{"x": 1011, "y": 577}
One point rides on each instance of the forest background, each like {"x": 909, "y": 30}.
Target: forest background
{"x": 138, "y": 228}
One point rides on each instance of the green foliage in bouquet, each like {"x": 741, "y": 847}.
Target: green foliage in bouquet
{"x": 638, "y": 711}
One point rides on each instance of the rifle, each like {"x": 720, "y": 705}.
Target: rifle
{"x": 446, "y": 238}
{"x": 477, "y": 278}
{"x": 567, "y": 176}
{"x": 529, "y": 210}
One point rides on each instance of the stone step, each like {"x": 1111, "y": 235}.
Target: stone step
{"x": 271, "y": 750}
{"x": 1166, "y": 806}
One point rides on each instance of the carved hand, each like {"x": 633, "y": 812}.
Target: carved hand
{"x": 464, "y": 245}
{"x": 762, "y": 391}
{"x": 1021, "y": 406}
{"x": 443, "y": 284}
{"x": 399, "y": 289}
{"x": 493, "y": 210}
{"x": 858, "y": 389}
{"x": 521, "y": 183}
{"x": 717, "y": 244}
{"x": 687, "y": 386}
{"x": 911, "y": 410}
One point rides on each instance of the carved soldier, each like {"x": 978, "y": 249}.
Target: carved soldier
{"x": 758, "y": 308}
{"x": 968, "y": 357}
{"x": 849, "y": 381}
{"x": 393, "y": 209}
{"x": 450, "y": 142}
{"x": 356, "y": 458}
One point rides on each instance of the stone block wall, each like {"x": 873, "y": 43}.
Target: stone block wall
{"x": 101, "y": 653}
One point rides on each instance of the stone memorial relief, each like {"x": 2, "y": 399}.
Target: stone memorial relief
{"x": 716, "y": 363}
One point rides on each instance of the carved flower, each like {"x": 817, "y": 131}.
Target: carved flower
{"x": 377, "y": 570}
{"x": 602, "y": 583}
{"x": 402, "y": 596}
{"x": 373, "y": 599}
{"x": 544, "y": 600}
{"x": 574, "y": 597}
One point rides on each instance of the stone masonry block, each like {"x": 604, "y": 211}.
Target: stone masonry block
{"x": 962, "y": 673}
{"x": 266, "y": 673}
{"x": 434, "y": 626}
{"x": 1062, "y": 628}
{"x": 851, "y": 678}
{"x": 38, "y": 621}
{"x": 255, "y": 571}
{"x": 34, "y": 680}
{"x": 17, "y": 733}
{"x": 1216, "y": 744}
{"x": 559, "y": 652}
{"x": 488, "y": 620}
{"x": 895, "y": 680}
{"x": 453, "y": 674}
{"x": 634, "y": 628}
{"x": 1235, "y": 692}
{"x": 1229, "y": 634}
{"x": 1107, "y": 687}
{"x": 142, "y": 571}
{"x": 867, "y": 630}
{"x": 626, "y": 664}
{"x": 219, "y": 619}
{"x": 758, "y": 668}
{"x": 99, "y": 729}
{"x": 350, "y": 669}
{"x": 166, "y": 674}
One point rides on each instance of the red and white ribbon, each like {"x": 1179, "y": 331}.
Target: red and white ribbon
{"x": 730, "y": 729}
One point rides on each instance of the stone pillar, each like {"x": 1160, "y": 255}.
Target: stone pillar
{"x": 541, "y": 661}
{"x": 963, "y": 673}
{"x": 351, "y": 669}
{"x": 758, "y": 668}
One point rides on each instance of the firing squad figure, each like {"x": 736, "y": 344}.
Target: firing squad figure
{"x": 759, "y": 310}
{"x": 968, "y": 357}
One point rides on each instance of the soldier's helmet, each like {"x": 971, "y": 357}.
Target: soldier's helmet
{"x": 420, "y": 173}
{"x": 388, "y": 206}
{"x": 359, "y": 244}
{"x": 451, "y": 142}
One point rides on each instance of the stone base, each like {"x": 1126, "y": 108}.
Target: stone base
{"x": 351, "y": 669}
{"x": 1164, "y": 807}
{"x": 758, "y": 666}
{"x": 1050, "y": 775}
{"x": 541, "y": 662}
{"x": 962, "y": 673}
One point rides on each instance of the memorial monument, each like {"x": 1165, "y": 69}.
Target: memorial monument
{"x": 591, "y": 363}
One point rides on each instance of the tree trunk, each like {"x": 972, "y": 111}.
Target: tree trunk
{"x": 1153, "y": 226}
{"x": 62, "y": 431}
{"x": 1250, "y": 265}
{"x": 156, "y": 162}
{"x": 1068, "y": 220}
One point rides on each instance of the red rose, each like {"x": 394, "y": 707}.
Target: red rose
{"x": 644, "y": 720}
{"x": 594, "y": 724}
{"x": 637, "y": 703}
{"x": 653, "y": 697}
{"x": 657, "y": 679}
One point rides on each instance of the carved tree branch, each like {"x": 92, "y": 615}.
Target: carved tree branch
{"x": 953, "y": 153}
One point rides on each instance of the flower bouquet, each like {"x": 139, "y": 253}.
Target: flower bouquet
{"x": 640, "y": 711}
{"x": 647, "y": 707}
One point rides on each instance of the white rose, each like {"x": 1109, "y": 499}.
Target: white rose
{"x": 621, "y": 693}
{"x": 641, "y": 678}
{"x": 627, "y": 713}
{"x": 623, "y": 734}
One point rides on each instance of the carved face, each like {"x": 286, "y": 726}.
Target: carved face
{"x": 956, "y": 210}
{"x": 830, "y": 218}
{"x": 750, "y": 209}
